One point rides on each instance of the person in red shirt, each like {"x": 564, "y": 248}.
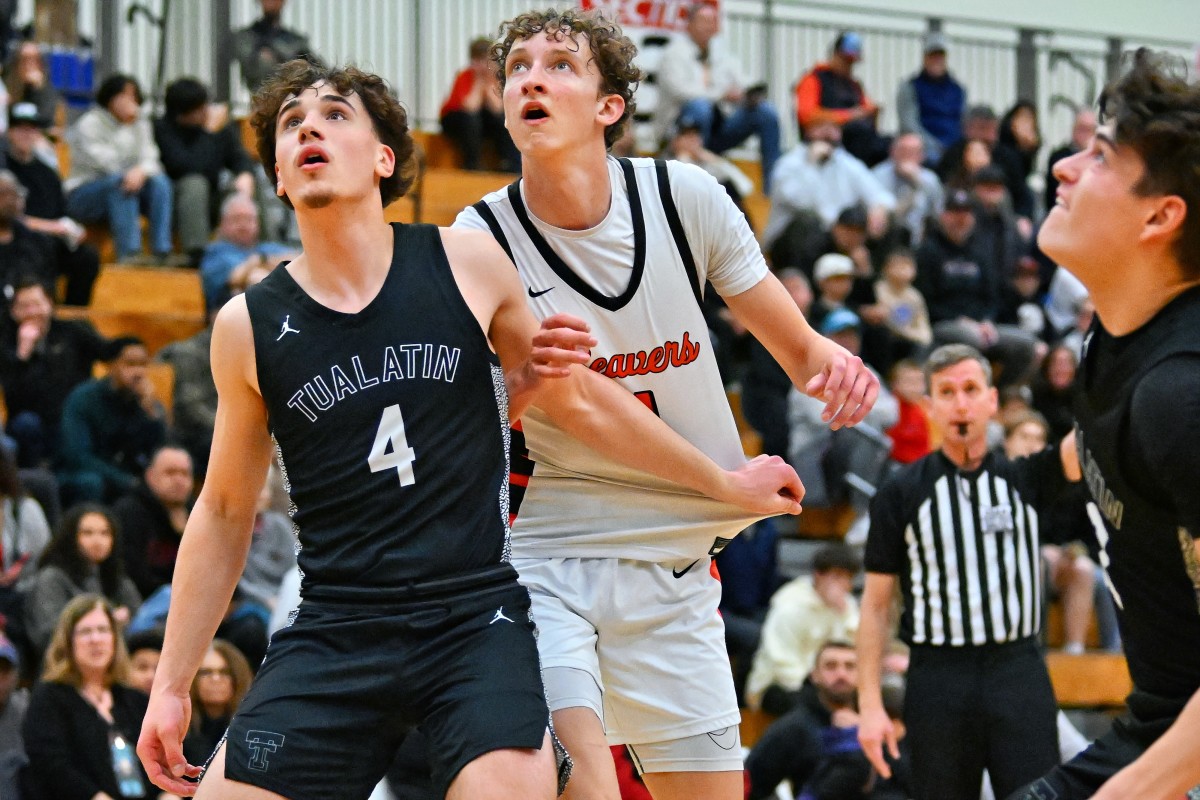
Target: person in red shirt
{"x": 910, "y": 435}
{"x": 473, "y": 115}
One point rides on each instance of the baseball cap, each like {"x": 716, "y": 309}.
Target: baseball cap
{"x": 832, "y": 265}
{"x": 959, "y": 200}
{"x": 26, "y": 114}
{"x": 8, "y": 652}
{"x": 934, "y": 42}
{"x": 838, "y": 320}
{"x": 849, "y": 43}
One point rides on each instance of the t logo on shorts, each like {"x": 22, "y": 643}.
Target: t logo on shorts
{"x": 261, "y": 743}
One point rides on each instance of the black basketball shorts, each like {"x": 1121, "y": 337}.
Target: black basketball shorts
{"x": 339, "y": 688}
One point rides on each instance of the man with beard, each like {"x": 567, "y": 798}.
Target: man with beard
{"x": 793, "y": 747}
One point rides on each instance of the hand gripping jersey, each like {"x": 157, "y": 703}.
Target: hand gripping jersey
{"x": 391, "y": 425}
{"x": 629, "y": 278}
{"x": 1137, "y": 436}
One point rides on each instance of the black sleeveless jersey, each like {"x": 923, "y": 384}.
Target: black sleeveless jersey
{"x": 390, "y": 425}
{"x": 1139, "y": 448}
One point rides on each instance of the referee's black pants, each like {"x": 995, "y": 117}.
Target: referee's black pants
{"x": 980, "y": 707}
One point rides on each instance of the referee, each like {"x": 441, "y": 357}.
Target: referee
{"x": 958, "y": 530}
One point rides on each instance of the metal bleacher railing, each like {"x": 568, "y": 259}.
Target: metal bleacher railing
{"x": 420, "y": 44}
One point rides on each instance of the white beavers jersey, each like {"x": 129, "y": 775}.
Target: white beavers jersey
{"x": 628, "y": 278}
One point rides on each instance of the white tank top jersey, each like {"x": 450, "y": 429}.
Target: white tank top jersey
{"x": 653, "y": 339}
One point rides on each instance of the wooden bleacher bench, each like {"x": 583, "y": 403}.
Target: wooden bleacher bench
{"x": 754, "y": 723}
{"x": 161, "y": 290}
{"x": 156, "y": 330}
{"x": 1089, "y": 680}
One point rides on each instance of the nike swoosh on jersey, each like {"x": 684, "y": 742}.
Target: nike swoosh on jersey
{"x": 532, "y": 293}
{"x": 680, "y": 574}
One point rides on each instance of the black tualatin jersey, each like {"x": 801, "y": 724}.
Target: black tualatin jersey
{"x": 391, "y": 425}
{"x": 1138, "y": 428}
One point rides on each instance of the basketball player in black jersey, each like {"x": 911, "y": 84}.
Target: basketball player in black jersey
{"x": 366, "y": 367}
{"x": 1127, "y": 223}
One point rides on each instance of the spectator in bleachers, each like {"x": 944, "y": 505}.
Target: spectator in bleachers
{"x": 792, "y": 748}
{"x": 831, "y": 93}
{"x": 930, "y": 103}
{"x": 46, "y": 205}
{"x": 473, "y": 114}
{"x": 194, "y": 408}
{"x": 812, "y": 184}
{"x": 899, "y": 309}
{"x": 260, "y": 48}
{"x": 1082, "y": 129}
{"x": 236, "y": 244}
{"x": 23, "y": 539}
{"x": 28, "y": 81}
{"x": 14, "y": 702}
{"x": 804, "y": 613}
{"x": 272, "y": 556}
{"x": 41, "y": 360}
{"x": 765, "y": 385}
{"x": 911, "y": 436}
{"x": 198, "y": 146}
{"x": 145, "y": 648}
{"x": 821, "y": 457}
{"x": 686, "y": 144}
{"x": 22, "y": 250}
{"x": 84, "y": 557}
{"x": 981, "y": 124}
{"x": 1054, "y": 390}
{"x": 973, "y": 156}
{"x": 1022, "y": 304}
{"x": 698, "y": 79}
{"x": 83, "y": 721}
{"x": 1019, "y": 130}
{"x": 834, "y": 275}
{"x": 217, "y": 691}
{"x": 917, "y": 189}
{"x": 847, "y": 236}
{"x": 116, "y": 171}
{"x": 110, "y": 427}
{"x": 995, "y": 224}
{"x": 961, "y": 285}
{"x": 152, "y": 517}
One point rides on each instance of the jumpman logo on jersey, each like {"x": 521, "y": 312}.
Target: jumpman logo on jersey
{"x": 286, "y": 328}
{"x": 499, "y": 616}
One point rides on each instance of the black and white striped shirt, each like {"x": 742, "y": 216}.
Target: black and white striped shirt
{"x": 964, "y": 546}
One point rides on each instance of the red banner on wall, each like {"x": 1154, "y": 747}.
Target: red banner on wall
{"x": 669, "y": 15}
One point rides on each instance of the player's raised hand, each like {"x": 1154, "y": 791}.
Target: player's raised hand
{"x": 160, "y": 746}
{"x": 765, "y": 485}
{"x": 562, "y": 340}
{"x": 875, "y": 729}
{"x": 844, "y": 382}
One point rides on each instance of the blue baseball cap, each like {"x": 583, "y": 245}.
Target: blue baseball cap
{"x": 838, "y": 320}
{"x": 849, "y": 43}
{"x": 8, "y": 652}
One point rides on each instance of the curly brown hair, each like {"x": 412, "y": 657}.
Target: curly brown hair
{"x": 1154, "y": 110}
{"x": 612, "y": 52}
{"x": 388, "y": 117}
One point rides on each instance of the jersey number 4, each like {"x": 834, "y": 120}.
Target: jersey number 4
{"x": 401, "y": 456}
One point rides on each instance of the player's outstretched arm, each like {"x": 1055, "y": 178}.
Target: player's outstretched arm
{"x": 213, "y": 551}
{"x": 875, "y": 728}
{"x": 817, "y": 366}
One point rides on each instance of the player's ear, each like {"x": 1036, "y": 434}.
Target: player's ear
{"x": 612, "y": 106}
{"x": 385, "y": 161}
{"x": 278, "y": 181}
{"x": 1167, "y": 215}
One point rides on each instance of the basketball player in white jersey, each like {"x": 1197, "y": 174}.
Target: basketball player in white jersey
{"x": 617, "y": 562}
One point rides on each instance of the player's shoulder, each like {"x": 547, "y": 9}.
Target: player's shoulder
{"x": 468, "y": 243}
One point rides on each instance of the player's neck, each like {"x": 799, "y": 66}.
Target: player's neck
{"x": 568, "y": 192}
{"x": 1137, "y": 292}
{"x": 347, "y": 253}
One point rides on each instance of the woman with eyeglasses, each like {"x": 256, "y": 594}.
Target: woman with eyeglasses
{"x": 83, "y": 721}
{"x": 217, "y": 690}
